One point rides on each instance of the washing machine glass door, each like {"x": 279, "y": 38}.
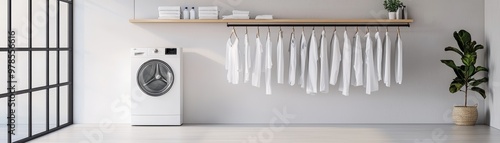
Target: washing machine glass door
{"x": 155, "y": 77}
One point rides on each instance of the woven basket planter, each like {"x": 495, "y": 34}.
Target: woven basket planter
{"x": 465, "y": 115}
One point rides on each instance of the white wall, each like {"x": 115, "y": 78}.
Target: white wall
{"x": 102, "y": 64}
{"x": 492, "y": 8}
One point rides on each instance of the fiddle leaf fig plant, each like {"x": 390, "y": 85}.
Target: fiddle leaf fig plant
{"x": 465, "y": 73}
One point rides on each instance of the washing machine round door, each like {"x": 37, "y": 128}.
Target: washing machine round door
{"x": 155, "y": 77}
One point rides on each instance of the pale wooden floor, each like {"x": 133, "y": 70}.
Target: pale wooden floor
{"x": 123, "y": 133}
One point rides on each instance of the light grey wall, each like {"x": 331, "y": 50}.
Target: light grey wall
{"x": 492, "y": 31}
{"x": 102, "y": 63}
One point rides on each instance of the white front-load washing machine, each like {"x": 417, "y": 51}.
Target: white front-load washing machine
{"x": 156, "y": 86}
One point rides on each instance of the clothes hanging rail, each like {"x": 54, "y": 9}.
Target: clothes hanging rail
{"x": 318, "y": 24}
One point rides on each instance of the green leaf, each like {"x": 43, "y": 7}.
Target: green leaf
{"x": 470, "y": 70}
{"x": 480, "y": 81}
{"x": 460, "y": 72}
{"x": 469, "y": 59}
{"x": 479, "y": 69}
{"x": 463, "y": 38}
{"x": 455, "y": 86}
{"x": 454, "y": 50}
{"x": 478, "y": 47}
{"x": 450, "y": 63}
{"x": 479, "y": 90}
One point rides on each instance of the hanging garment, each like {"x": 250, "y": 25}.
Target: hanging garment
{"x": 228, "y": 59}
{"x": 257, "y": 68}
{"x": 323, "y": 75}
{"x": 387, "y": 60}
{"x": 357, "y": 79}
{"x": 268, "y": 63}
{"x": 312, "y": 70}
{"x": 336, "y": 58}
{"x": 303, "y": 60}
{"x": 371, "y": 79}
{"x": 248, "y": 60}
{"x": 235, "y": 62}
{"x": 292, "y": 69}
{"x": 232, "y": 60}
{"x": 280, "y": 58}
{"x": 346, "y": 66}
{"x": 399, "y": 58}
{"x": 379, "y": 55}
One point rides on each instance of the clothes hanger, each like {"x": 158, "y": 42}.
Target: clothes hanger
{"x": 367, "y": 30}
{"x": 234, "y": 32}
{"x": 357, "y": 29}
{"x": 258, "y": 32}
{"x": 246, "y": 30}
{"x": 377, "y": 29}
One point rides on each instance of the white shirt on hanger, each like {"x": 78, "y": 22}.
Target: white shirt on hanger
{"x": 379, "y": 55}
{"x": 228, "y": 60}
{"x": 257, "y": 70}
{"x": 346, "y": 66}
{"x": 399, "y": 57}
{"x": 358, "y": 62}
{"x": 280, "y": 59}
{"x": 323, "y": 79}
{"x": 303, "y": 60}
{"x": 371, "y": 75}
{"x": 235, "y": 62}
{"x": 248, "y": 60}
{"x": 293, "y": 60}
{"x": 268, "y": 63}
{"x": 387, "y": 60}
{"x": 312, "y": 72}
{"x": 336, "y": 59}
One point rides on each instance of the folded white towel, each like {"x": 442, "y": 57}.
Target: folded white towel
{"x": 208, "y": 12}
{"x": 169, "y": 17}
{"x": 241, "y": 15}
{"x": 264, "y": 17}
{"x": 208, "y": 17}
{"x": 169, "y": 12}
{"x": 170, "y": 8}
{"x": 235, "y": 17}
{"x": 208, "y": 8}
{"x": 240, "y": 12}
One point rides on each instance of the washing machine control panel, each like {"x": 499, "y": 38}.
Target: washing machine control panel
{"x": 170, "y": 51}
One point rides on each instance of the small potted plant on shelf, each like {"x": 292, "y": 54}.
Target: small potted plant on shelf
{"x": 392, "y": 6}
{"x": 465, "y": 80}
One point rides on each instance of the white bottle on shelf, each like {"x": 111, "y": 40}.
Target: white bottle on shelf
{"x": 185, "y": 13}
{"x": 192, "y": 14}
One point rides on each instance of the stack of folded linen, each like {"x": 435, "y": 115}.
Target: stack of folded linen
{"x": 208, "y": 12}
{"x": 169, "y": 12}
{"x": 238, "y": 14}
{"x": 264, "y": 17}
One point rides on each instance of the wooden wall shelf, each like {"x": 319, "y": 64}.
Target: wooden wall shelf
{"x": 288, "y": 21}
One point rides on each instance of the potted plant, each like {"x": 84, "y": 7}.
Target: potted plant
{"x": 392, "y": 6}
{"x": 465, "y": 80}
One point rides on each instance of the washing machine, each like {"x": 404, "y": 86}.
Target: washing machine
{"x": 156, "y": 86}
